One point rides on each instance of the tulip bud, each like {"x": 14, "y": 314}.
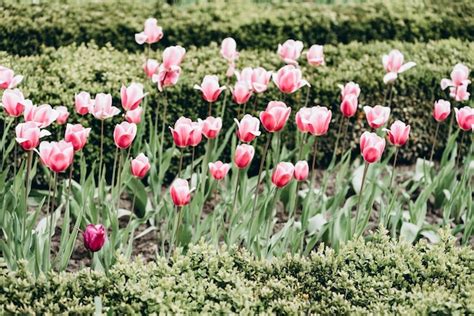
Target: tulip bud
{"x": 315, "y": 55}
{"x": 371, "y": 147}
{"x": 211, "y": 127}
{"x": 94, "y": 237}
{"x": 210, "y": 88}
{"x": 218, "y": 169}
{"x": 301, "y": 170}
{"x": 243, "y": 155}
{"x": 241, "y": 92}
{"x": 229, "y": 49}
{"x": 248, "y": 128}
{"x": 76, "y": 135}
{"x": 180, "y": 193}
{"x": 63, "y": 115}
{"x": 398, "y": 133}
{"x": 282, "y": 174}
{"x": 124, "y": 134}
{"x": 82, "y": 103}
{"x": 140, "y": 166}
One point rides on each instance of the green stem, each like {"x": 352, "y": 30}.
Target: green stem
{"x": 339, "y": 130}
{"x": 434, "y": 142}
{"x": 460, "y": 148}
{"x": 114, "y": 167}
{"x": 180, "y": 162}
{"x": 101, "y": 148}
{"x": 366, "y": 167}
{"x": 393, "y": 167}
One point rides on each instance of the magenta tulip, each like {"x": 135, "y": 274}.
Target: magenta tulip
{"x": 140, "y": 166}
{"x": 275, "y": 116}
{"x": 210, "y": 88}
{"x": 28, "y": 135}
{"x": 218, "y": 169}
{"x": 8, "y": 80}
{"x": 315, "y": 55}
{"x": 289, "y": 79}
{"x": 290, "y": 51}
{"x": 94, "y": 237}
{"x": 180, "y": 192}
{"x": 83, "y": 103}
{"x": 57, "y": 156}
{"x": 152, "y": 33}
{"x": 314, "y": 120}
{"x": 282, "y": 174}
{"x": 243, "y": 155}
{"x": 131, "y": 96}
{"x": 124, "y": 134}
{"x": 13, "y": 102}
{"x": 248, "y": 128}
{"x": 393, "y": 64}
{"x": 441, "y": 110}
{"x": 465, "y": 118}
{"x": 398, "y": 133}
{"x": 371, "y": 147}
{"x": 77, "y": 135}
{"x": 377, "y": 116}
{"x": 301, "y": 170}
{"x": 211, "y": 127}
{"x": 134, "y": 116}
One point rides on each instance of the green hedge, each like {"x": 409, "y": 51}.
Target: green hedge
{"x": 380, "y": 276}
{"x": 25, "y": 27}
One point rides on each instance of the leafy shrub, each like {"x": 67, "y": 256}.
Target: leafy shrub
{"x": 25, "y": 27}
{"x": 379, "y": 276}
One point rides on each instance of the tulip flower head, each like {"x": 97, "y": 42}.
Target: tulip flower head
{"x": 441, "y": 110}
{"x": 140, "y": 166}
{"x": 102, "y": 108}
{"x": 180, "y": 192}
{"x": 371, "y": 147}
{"x": 186, "y": 132}
{"x": 134, "y": 116}
{"x": 314, "y": 120}
{"x": 124, "y": 134}
{"x": 211, "y": 127}
{"x": 166, "y": 77}
{"x": 8, "y": 80}
{"x": 28, "y": 135}
{"x": 152, "y": 33}
{"x": 77, "y": 135}
{"x": 172, "y": 57}
{"x": 94, "y": 237}
{"x": 290, "y": 51}
{"x": 459, "y": 77}
{"x": 350, "y": 88}
{"x": 282, "y": 174}
{"x": 83, "y": 103}
{"x": 241, "y": 92}
{"x": 349, "y": 105}
{"x": 275, "y": 116}
{"x": 459, "y": 93}
{"x": 243, "y": 155}
{"x": 377, "y": 116}
{"x": 229, "y": 49}
{"x": 301, "y": 170}
{"x": 57, "y": 156}
{"x": 398, "y": 133}
{"x": 196, "y": 134}
{"x": 43, "y": 115}
{"x": 131, "y": 96}
{"x": 63, "y": 115}
{"x": 257, "y": 78}
{"x": 393, "y": 64}
{"x": 289, "y": 79}
{"x": 315, "y": 55}
{"x": 465, "y": 118}
{"x": 150, "y": 67}
{"x": 218, "y": 169}
{"x": 210, "y": 88}
{"x": 13, "y": 102}
{"x": 248, "y": 128}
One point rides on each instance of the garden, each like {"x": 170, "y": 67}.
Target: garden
{"x": 236, "y": 157}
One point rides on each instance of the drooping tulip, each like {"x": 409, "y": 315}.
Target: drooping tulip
{"x": 8, "y": 80}
{"x": 441, "y": 110}
{"x": 63, "y": 114}
{"x": 94, "y": 237}
{"x": 241, "y": 92}
{"x": 377, "y": 116}
{"x": 243, "y": 155}
{"x": 83, "y": 103}
{"x": 102, "y": 108}
{"x": 57, "y": 156}
{"x": 134, "y": 116}
{"x": 210, "y": 88}
{"x": 393, "y": 64}
{"x": 13, "y": 102}
{"x": 42, "y": 115}
{"x": 173, "y": 56}
{"x": 398, "y": 133}
{"x": 289, "y": 79}
{"x": 459, "y": 77}
{"x": 290, "y": 51}
{"x": 315, "y": 55}
{"x": 229, "y": 49}
{"x": 371, "y": 147}
{"x": 275, "y": 116}
{"x": 152, "y": 33}
{"x": 465, "y": 118}
{"x": 350, "y": 88}
{"x": 218, "y": 169}
{"x": 150, "y": 67}
{"x": 211, "y": 127}
{"x": 282, "y": 174}
{"x": 180, "y": 192}
{"x": 349, "y": 105}
{"x": 140, "y": 166}
{"x": 301, "y": 170}
{"x": 166, "y": 77}
{"x": 124, "y": 134}
{"x": 131, "y": 96}
{"x": 248, "y": 128}
{"x": 77, "y": 135}
{"x": 28, "y": 135}
{"x": 314, "y": 120}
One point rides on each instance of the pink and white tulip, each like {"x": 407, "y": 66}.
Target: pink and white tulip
{"x": 77, "y": 135}
{"x": 140, "y": 166}
{"x": 83, "y": 103}
{"x": 350, "y": 88}
{"x": 371, "y": 147}
{"x": 218, "y": 169}
{"x": 465, "y": 118}
{"x": 152, "y": 33}
{"x": 134, "y": 116}
{"x": 349, "y": 105}
{"x": 186, "y": 132}
{"x": 211, "y": 127}
{"x": 315, "y": 55}
{"x": 243, "y": 155}
{"x": 441, "y": 110}
{"x": 210, "y": 88}
{"x": 275, "y": 116}
{"x": 248, "y": 128}
{"x": 13, "y": 102}
{"x": 289, "y": 79}
{"x": 43, "y": 115}
{"x": 173, "y": 56}
{"x": 8, "y": 80}
{"x": 102, "y": 107}
{"x": 124, "y": 134}
{"x": 241, "y": 92}
{"x": 459, "y": 93}
{"x": 377, "y": 116}
{"x": 393, "y": 64}
{"x": 131, "y": 96}
{"x": 57, "y": 156}
{"x": 290, "y": 51}
{"x": 301, "y": 170}
{"x": 398, "y": 133}
{"x": 314, "y": 120}
{"x": 28, "y": 135}
{"x": 282, "y": 174}
{"x": 63, "y": 115}
{"x": 150, "y": 67}
{"x": 459, "y": 77}
{"x": 166, "y": 77}
{"x": 180, "y": 192}
{"x": 229, "y": 49}
{"x": 258, "y": 78}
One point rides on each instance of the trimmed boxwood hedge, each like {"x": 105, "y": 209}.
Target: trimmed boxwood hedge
{"x": 25, "y": 27}
{"x": 380, "y": 276}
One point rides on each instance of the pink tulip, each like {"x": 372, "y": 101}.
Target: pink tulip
{"x": 186, "y": 132}
{"x": 57, "y": 156}
{"x": 8, "y": 80}
{"x": 301, "y": 170}
{"x": 94, "y": 237}
{"x": 77, "y": 135}
{"x": 131, "y": 96}
{"x": 180, "y": 192}
{"x": 348, "y": 89}
{"x": 124, "y": 134}
{"x": 465, "y": 118}
{"x": 210, "y": 88}
{"x": 314, "y": 120}
{"x": 102, "y": 107}
{"x": 243, "y": 155}
{"x": 166, "y": 77}
{"x": 150, "y": 67}
{"x": 211, "y": 127}
{"x": 349, "y": 105}
{"x": 257, "y": 78}
{"x": 196, "y": 134}
{"x": 13, "y": 102}
{"x": 241, "y": 92}
{"x": 290, "y": 51}
{"x": 152, "y": 33}
{"x": 275, "y": 116}
{"x": 282, "y": 174}
{"x": 441, "y": 110}
{"x": 83, "y": 102}
{"x": 393, "y": 64}
{"x": 459, "y": 93}
{"x": 218, "y": 169}
{"x": 289, "y": 79}
{"x": 377, "y": 116}
{"x": 134, "y": 116}
{"x": 398, "y": 133}
{"x": 43, "y": 115}
{"x": 229, "y": 49}
{"x": 173, "y": 56}
{"x": 371, "y": 147}
{"x": 140, "y": 166}
{"x": 315, "y": 55}
{"x": 459, "y": 77}
{"x": 248, "y": 128}
{"x": 63, "y": 115}
{"x": 28, "y": 135}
